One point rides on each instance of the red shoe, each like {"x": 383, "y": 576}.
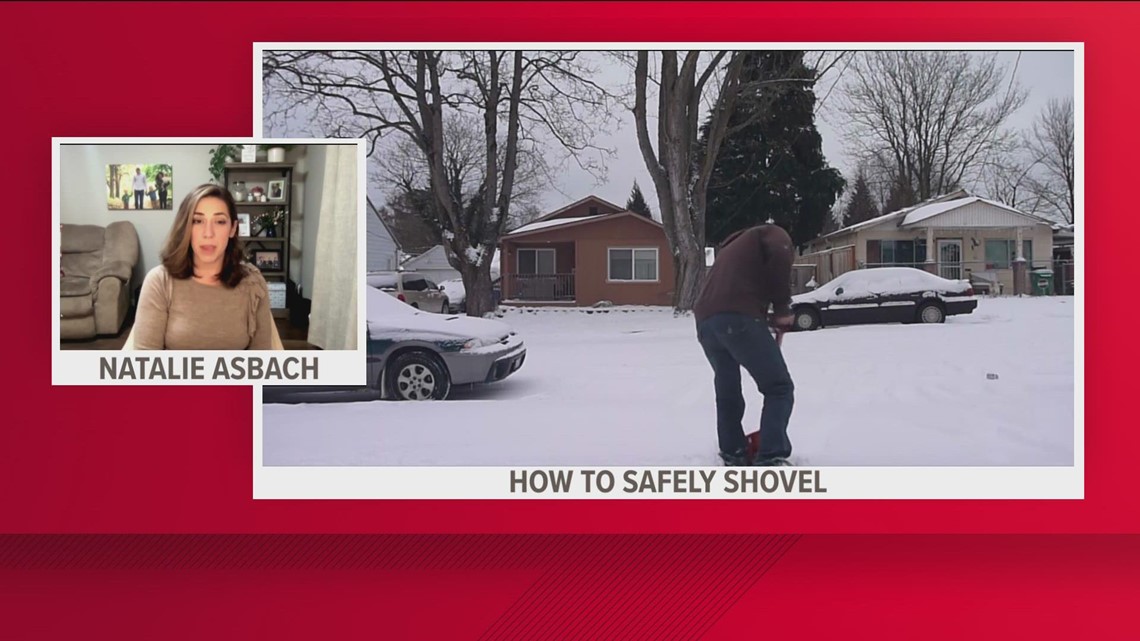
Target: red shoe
{"x": 753, "y": 445}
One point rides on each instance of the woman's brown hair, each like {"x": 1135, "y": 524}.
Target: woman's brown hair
{"x": 177, "y": 255}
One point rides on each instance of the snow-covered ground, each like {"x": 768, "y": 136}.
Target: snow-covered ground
{"x": 631, "y": 387}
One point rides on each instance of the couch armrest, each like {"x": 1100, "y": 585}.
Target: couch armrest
{"x": 121, "y": 243}
{"x": 115, "y": 268}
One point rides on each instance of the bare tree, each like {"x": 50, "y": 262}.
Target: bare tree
{"x": 1051, "y": 144}
{"x": 522, "y": 100}
{"x": 1009, "y": 180}
{"x": 402, "y": 173}
{"x": 932, "y": 118}
{"x": 690, "y": 84}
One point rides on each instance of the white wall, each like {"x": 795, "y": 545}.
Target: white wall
{"x": 433, "y": 264}
{"x": 379, "y": 244}
{"x": 83, "y": 191}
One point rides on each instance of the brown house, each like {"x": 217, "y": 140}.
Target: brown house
{"x": 584, "y": 253}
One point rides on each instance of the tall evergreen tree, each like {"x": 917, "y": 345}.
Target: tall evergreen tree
{"x": 773, "y": 167}
{"x": 901, "y": 195}
{"x": 861, "y": 207}
{"x": 636, "y": 202}
{"x": 831, "y": 223}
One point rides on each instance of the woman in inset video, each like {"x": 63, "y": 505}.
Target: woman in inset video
{"x": 204, "y": 296}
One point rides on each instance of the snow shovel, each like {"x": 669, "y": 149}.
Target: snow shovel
{"x": 753, "y": 440}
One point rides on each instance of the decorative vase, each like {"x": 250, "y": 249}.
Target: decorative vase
{"x": 271, "y": 231}
{"x": 276, "y": 154}
{"x": 238, "y": 191}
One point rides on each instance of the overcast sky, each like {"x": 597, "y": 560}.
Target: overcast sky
{"x": 1045, "y": 74}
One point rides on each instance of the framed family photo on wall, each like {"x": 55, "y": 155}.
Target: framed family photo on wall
{"x": 139, "y": 186}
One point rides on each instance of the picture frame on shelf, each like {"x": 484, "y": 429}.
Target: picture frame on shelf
{"x": 243, "y": 224}
{"x": 267, "y": 260}
{"x": 276, "y": 190}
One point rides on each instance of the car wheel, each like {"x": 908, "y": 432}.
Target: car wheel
{"x": 445, "y": 308}
{"x": 416, "y": 305}
{"x": 930, "y": 313}
{"x": 806, "y": 319}
{"x": 418, "y": 376}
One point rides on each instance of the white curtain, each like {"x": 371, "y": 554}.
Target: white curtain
{"x": 333, "y": 322}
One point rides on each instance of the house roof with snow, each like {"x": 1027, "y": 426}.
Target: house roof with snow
{"x": 926, "y": 210}
{"x": 602, "y": 204}
{"x": 563, "y": 223}
{"x": 544, "y": 224}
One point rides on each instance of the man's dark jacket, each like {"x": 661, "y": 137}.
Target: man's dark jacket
{"x": 753, "y": 269}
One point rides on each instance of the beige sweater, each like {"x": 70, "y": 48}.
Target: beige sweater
{"x": 177, "y": 313}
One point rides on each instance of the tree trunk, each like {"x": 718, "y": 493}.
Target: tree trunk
{"x": 680, "y": 178}
{"x": 477, "y": 282}
{"x": 689, "y": 270}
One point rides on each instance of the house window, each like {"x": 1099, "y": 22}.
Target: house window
{"x": 631, "y": 264}
{"x": 1000, "y": 254}
{"x": 533, "y": 262}
{"x": 901, "y": 252}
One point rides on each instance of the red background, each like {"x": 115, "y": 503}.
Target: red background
{"x": 178, "y": 460}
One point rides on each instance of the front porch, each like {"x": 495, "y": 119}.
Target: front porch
{"x": 540, "y": 272}
{"x": 539, "y": 288}
{"x": 997, "y": 261}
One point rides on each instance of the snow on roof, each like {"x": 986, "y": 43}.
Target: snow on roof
{"x": 919, "y": 214}
{"x": 574, "y": 204}
{"x": 867, "y": 223}
{"x": 550, "y": 223}
{"x": 929, "y": 209}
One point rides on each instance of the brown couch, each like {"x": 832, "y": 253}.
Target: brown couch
{"x": 95, "y": 285}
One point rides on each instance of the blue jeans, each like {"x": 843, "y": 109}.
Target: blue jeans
{"x": 138, "y": 199}
{"x": 732, "y": 341}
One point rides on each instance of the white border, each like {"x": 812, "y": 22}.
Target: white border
{"x": 841, "y": 482}
{"x": 336, "y": 367}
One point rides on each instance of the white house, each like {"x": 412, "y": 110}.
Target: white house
{"x": 382, "y": 250}
{"x": 955, "y": 236}
{"x": 433, "y": 264}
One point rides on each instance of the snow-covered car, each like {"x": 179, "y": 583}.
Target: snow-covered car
{"x": 883, "y": 295}
{"x": 415, "y": 355}
{"x": 412, "y": 288}
{"x": 456, "y": 295}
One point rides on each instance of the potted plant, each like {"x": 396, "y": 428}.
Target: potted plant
{"x": 218, "y": 158}
{"x": 277, "y": 152}
{"x": 268, "y": 221}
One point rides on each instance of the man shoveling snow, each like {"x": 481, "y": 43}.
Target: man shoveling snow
{"x": 752, "y": 272}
